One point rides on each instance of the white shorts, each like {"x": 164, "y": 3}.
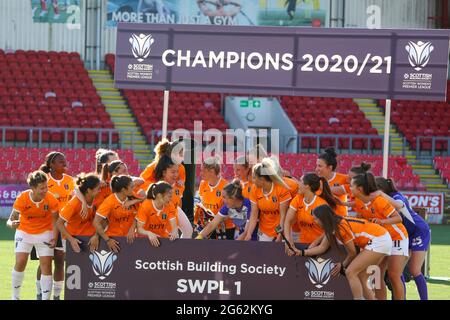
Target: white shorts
{"x": 264, "y": 237}
{"x": 24, "y": 242}
{"x": 381, "y": 244}
{"x": 400, "y": 247}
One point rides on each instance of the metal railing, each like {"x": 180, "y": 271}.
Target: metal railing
{"x": 421, "y": 140}
{"x": 337, "y": 139}
{"x": 34, "y": 136}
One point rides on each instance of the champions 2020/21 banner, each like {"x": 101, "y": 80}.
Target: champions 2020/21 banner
{"x": 221, "y": 12}
{"x": 203, "y": 270}
{"x": 342, "y": 63}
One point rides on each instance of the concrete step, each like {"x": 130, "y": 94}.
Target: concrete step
{"x": 375, "y": 114}
{"x": 106, "y": 88}
{"x": 121, "y": 113}
{"x": 432, "y": 176}
{"x": 115, "y": 103}
{"x": 92, "y": 71}
{"x": 102, "y": 80}
{"x": 424, "y": 172}
{"x": 363, "y": 100}
{"x": 108, "y": 93}
{"x": 112, "y": 97}
{"x": 436, "y": 187}
{"x": 135, "y": 143}
{"x": 422, "y": 166}
{"x": 124, "y": 121}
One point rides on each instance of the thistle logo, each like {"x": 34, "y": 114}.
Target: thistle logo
{"x": 141, "y": 45}
{"x": 419, "y": 54}
{"x": 102, "y": 263}
{"x": 319, "y": 271}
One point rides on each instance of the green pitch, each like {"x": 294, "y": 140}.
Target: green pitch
{"x": 439, "y": 289}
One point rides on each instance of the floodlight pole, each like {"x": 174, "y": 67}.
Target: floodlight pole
{"x": 387, "y": 124}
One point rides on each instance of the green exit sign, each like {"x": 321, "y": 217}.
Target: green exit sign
{"x": 244, "y": 103}
{"x": 248, "y": 103}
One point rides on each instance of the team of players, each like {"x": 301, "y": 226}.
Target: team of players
{"x": 263, "y": 203}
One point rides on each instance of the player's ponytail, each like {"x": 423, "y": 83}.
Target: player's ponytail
{"x": 362, "y": 168}
{"x": 87, "y": 181}
{"x": 160, "y": 187}
{"x": 49, "y": 159}
{"x": 234, "y": 190}
{"x": 102, "y": 157}
{"x": 267, "y": 171}
{"x": 330, "y": 224}
{"x": 386, "y": 185}
{"x": 162, "y": 148}
{"x": 366, "y": 182}
{"x": 330, "y": 157}
{"x": 317, "y": 183}
{"x": 120, "y": 182}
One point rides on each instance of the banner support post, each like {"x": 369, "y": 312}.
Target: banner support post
{"x": 165, "y": 113}
{"x": 387, "y": 124}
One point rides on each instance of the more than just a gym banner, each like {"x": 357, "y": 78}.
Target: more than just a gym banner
{"x": 433, "y": 202}
{"x": 221, "y": 12}
{"x": 203, "y": 270}
{"x": 342, "y": 63}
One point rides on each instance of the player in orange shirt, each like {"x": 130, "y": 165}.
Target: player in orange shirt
{"x": 242, "y": 171}
{"x": 174, "y": 150}
{"x": 70, "y": 222}
{"x": 211, "y": 199}
{"x": 168, "y": 171}
{"x": 380, "y": 211}
{"x": 373, "y": 240}
{"x": 156, "y": 215}
{"x": 345, "y": 189}
{"x": 103, "y": 156}
{"x": 33, "y": 216}
{"x": 326, "y": 167}
{"x": 270, "y": 200}
{"x": 62, "y": 187}
{"x": 303, "y": 204}
{"x": 121, "y": 222}
{"x": 236, "y": 207}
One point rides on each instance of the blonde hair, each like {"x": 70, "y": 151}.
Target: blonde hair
{"x": 267, "y": 169}
{"x": 212, "y": 163}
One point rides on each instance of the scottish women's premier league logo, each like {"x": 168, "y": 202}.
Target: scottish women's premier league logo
{"x": 102, "y": 263}
{"x": 419, "y": 54}
{"x": 141, "y": 45}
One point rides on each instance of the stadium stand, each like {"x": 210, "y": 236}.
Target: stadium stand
{"x": 299, "y": 164}
{"x": 429, "y": 119}
{"x": 49, "y": 89}
{"x": 147, "y": 107}
{"x": 316, "y": 115}
{"x": 17, "y": 162}
{"x": 442, "y": 165}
